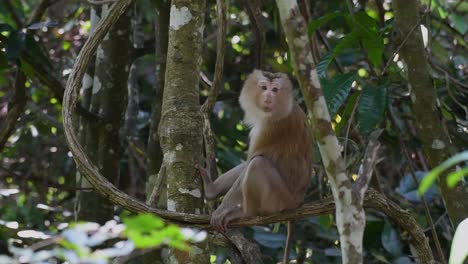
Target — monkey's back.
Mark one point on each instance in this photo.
(289, 145)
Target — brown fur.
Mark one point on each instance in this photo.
(291, 135)
(278, 170)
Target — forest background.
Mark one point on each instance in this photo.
(395, 67)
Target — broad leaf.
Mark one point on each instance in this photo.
(390, 240)
(322, 66)
(408, 188)
(429, 179)
(366, 28)
(314, 25)
(336, 90)
(371, 107)
(348, 41)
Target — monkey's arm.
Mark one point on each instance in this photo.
(224, 182)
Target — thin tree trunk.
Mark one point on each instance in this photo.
(350, 215)
(435, 139)
(154, 147)
(109, 100)
(181, 124)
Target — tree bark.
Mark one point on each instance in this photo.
(181, 124)
(433, 134)
(109, 100)
(350, 215)
(155, 156)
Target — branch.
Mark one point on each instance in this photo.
(370, 158)
(221, 48)
(255, 17)
(15, 107)
(101, 2)
(207, 107)
(11, 9)
(39, 11)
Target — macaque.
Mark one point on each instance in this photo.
(279, 168)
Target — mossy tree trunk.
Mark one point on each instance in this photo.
(435, 139)
(181, 126)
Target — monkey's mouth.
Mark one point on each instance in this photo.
(267, 109)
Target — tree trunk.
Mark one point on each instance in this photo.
(350, 216)
(154, 147)
(435, 139)
(180, 127)
(109, 102)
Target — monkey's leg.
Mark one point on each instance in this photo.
(230, 208)
(224, 182)
(264, 190)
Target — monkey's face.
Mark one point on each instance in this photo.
(266, 96)
(273, 96)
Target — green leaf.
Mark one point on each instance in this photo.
(454, 177)
(322, 66)
(314, 25)
(459, 23)
(348, 41)
(390, 240)
(429, 179)
(366, 28)
(147, 230)
(371, 107)
(346, 114)
(143, 222)
(336, 90)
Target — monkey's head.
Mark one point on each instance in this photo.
(266, 96)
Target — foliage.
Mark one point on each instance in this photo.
(453, 177)
(86, 242)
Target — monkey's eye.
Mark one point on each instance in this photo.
(275, 89)
(263, 87)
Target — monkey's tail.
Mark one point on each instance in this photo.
(287, 245)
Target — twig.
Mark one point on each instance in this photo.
(426, 207)
(15, 106)
(38, 111)
(454, 98)
(255, 17)
(39, 11)
(100, 2)
(12, 10)
(207, 107)
(452, 79)
(370, 158)
(350, 121)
